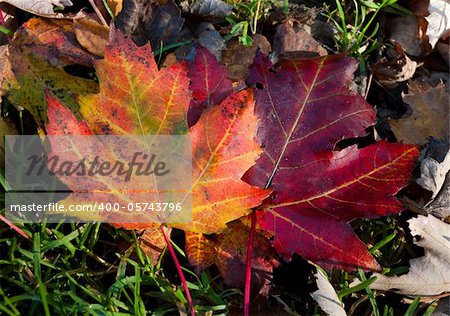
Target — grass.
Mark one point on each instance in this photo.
(356, 26)
(67, 270)
(388, 243)
(94, 269)
(246, 15)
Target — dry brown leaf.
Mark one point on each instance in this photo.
(238, 58)
(433, 174)
(435, 177)
(209, 9)
(395, 68)
(419, 7)
(40, 7)
(91, 34)
(440, 206)
(148, 21)
(418, 34)
(291, 38)
(429, 114)
(430, 274)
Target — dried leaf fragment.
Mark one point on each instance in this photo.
(396, 68)
(326, 296)
(433, 174)
(435, 177)
(429, 115)
(115, 6)
(409, 32)
(150, 21)
(238, 58)
(40, 7)
(294, 41)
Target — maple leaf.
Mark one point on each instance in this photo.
(38, 54)
(136, 98)
(91, 34)
(305, 108)
(209, 83)
(228, 251)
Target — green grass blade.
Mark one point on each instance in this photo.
(413, 306)
(37, 272)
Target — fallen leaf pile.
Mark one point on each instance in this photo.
(283, 139)
(301, 111)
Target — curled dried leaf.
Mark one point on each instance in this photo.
(395, 68)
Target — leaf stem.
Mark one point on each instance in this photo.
(10, 224)
(179, 270)
(99, 14)
(248, 267)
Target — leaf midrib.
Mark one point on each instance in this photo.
(344, 185)
(294, 126)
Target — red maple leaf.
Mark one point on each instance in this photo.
(305, 107)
